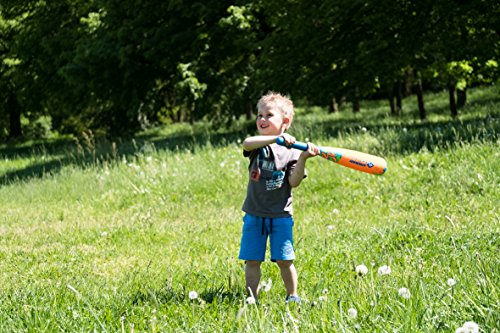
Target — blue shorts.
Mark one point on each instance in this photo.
(256, 230)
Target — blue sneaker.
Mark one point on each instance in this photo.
(293, 299)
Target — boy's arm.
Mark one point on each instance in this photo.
(297, 175)
(260, 141)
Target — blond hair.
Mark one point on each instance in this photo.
(279, 102)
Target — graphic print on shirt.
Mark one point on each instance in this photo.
(264, 166)
(276, 181)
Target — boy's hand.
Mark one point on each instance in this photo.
(289, 140)
(312, 150)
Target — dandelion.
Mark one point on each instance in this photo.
(323, 298)
(384, 270)
(451, 282)
(335, 211)
(222, 164)
(352, 312)
(330, 227)
(363, 129)
(325, 291)
(104, 234)
(266, 286)
(251, 300)
(193, 295)
(404, 293)
(361, 270)
(471, 327)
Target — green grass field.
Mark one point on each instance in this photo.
(113, 239)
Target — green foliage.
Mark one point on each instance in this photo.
(115, 236)
(113, 66)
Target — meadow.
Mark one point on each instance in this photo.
(116, 237)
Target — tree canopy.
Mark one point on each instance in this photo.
(116, 66)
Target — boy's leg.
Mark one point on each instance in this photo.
(252, 250)
(289, 276)
(252, 276)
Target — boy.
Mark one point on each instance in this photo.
(274, 171)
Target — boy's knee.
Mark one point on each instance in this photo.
(284, 263)
(253, 263)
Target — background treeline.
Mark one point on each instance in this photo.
(115, 67)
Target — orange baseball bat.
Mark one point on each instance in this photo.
(349, 158)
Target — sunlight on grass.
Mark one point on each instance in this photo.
(93, 241)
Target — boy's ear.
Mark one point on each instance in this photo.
(286, 121)
(285, 124)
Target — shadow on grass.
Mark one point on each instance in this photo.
(399, 137)
(168, 295)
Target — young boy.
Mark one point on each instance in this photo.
(273, 171)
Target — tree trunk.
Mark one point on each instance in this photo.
(420, 99)
(392, 106)
(333, 107)
(249, 110)
(453, 104)
(461, 97)
(399, 97)
(355, 103)
(406, 84)
(395, 92)
(14, 110)
(390, 93)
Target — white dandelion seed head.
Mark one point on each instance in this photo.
(451, 282)
(361, 270)
(330, 227)
(363, 129)
(104, 234)
(471, 327)
(404, 293)
(352, 312)
(251, 300)
(325, 291)
(460, 330)
(266, 285)
(384, 270)
(323, 298)
(193, 295)
(222, 164)
(335, 211)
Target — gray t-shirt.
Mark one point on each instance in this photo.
(269, 193)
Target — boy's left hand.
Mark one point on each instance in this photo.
(312, 150)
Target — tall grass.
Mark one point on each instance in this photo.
(96, 238)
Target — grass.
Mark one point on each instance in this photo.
(96, 238)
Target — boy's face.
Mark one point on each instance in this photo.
(270, 121)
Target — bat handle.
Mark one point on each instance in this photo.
(297, 145)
